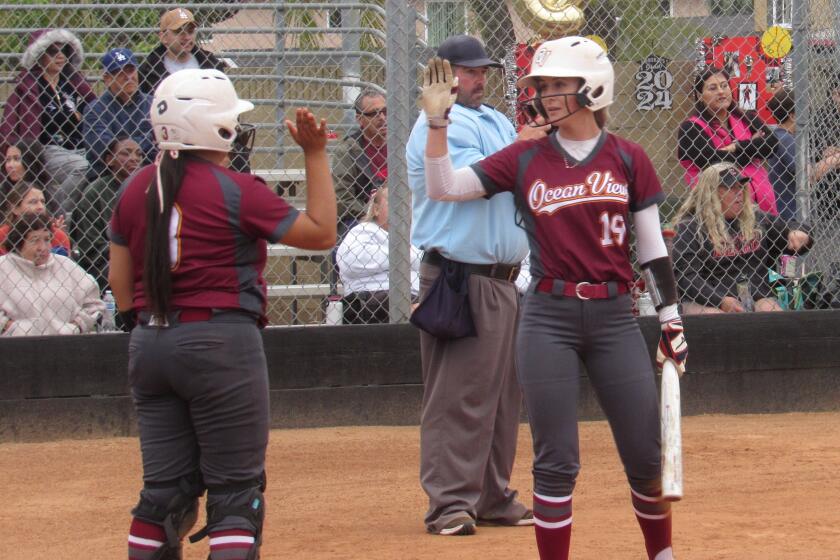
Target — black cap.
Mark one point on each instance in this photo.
(464, 50)
(731, 177)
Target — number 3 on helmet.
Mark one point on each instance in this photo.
(197, 110)
(572, 57)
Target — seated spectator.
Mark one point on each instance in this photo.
(23, 160)
(177, 51)
(47, 103)
(360, 162)
(782, 162)
(363, 263)
(42, 293)
(825, 152)
(25, 198)
(122, 110)
(721, 239)
(93, 213)
(718, 131)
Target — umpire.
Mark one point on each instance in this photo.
(471, 399)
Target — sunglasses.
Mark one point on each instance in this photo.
(375, 113)
(56, 48)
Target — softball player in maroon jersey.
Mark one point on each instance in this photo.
(188, 248)
(575, 191)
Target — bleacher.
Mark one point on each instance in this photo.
(299, 280)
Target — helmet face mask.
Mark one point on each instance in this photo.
(537, 115)
(197, 110)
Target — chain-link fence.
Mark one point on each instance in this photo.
(356, 64)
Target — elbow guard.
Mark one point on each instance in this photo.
(659, 280)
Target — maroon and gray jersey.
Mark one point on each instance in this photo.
(575, 212)
(217, 235)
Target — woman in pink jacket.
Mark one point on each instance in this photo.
(718, 131)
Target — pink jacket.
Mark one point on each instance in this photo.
(762, 189)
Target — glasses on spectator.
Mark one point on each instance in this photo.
(188, 29)
(375, 113)
(56, 48)
(731, 178)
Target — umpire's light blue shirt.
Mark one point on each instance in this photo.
(482, 231)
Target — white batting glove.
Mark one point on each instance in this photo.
(439, 90)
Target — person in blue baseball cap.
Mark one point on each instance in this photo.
(123, 110)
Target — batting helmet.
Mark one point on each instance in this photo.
(575, 57)
(197, 110)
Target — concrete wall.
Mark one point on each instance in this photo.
(76, 387)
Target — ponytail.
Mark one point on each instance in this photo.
(157, 263)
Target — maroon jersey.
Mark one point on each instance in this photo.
(575, 212)
(217, 235)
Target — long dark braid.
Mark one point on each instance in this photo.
(157, 264)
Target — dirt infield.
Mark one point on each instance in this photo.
(757, 487)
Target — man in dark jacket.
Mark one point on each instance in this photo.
(177, 51)
(360, 162)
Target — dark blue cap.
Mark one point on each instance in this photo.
(116, 59)
(464, 50)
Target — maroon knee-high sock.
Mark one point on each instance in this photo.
(144, 539)
(553, 526)
(654, 517)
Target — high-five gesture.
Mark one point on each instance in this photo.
(439, 91)
(309, 135)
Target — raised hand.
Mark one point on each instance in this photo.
(306, 132)
(439, 89)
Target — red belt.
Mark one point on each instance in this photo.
(194, 314)
(582, 290)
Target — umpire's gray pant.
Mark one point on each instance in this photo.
(471, 403)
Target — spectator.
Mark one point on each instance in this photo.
(363, 264)
(90, 225)
(718, 131)
(122, 109)
(721, 237)
(23, 160)
(27, 198)
(825, 151)
(782, 162)
(177, 51)
(46, 104)
(42, 293)
(361, 159)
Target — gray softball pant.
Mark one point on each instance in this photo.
(201, 395)
(556, 335)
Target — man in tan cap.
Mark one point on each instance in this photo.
(177, 50)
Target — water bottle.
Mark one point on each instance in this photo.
(745, 294)
(645, 305)
(335, 311)
(108, 323)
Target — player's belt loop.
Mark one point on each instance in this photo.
(612, 289)
(580, 286)
(558, 287)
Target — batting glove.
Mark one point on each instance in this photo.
(439, 90)
(672, 345)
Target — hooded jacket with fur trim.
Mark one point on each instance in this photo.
(23, 112)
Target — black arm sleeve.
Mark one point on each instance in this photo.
(761, 145)
(695, 145)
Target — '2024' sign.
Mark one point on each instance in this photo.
(653, 84)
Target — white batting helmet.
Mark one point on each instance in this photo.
(575, 57)
(196, 110)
